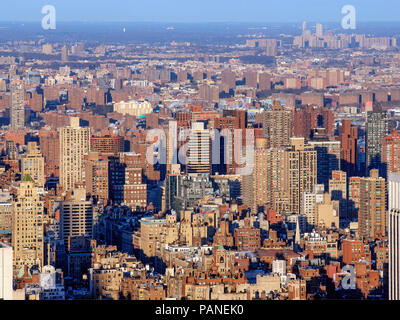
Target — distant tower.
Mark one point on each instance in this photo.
(319, 30)
(17, 112)
(304, 27)
(64, 54)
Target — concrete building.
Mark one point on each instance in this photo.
(74, 144)
(394, 239)
(6, 272)
(277, 126)
(17, 110)
(376, 128)
(199, 153)
(32, 163)
(372, 211)
(76, 215)
(27, 235)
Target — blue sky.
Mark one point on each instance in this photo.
(200, 10)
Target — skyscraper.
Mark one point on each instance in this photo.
(17, 112)
(391, 153)
(74, 144)
(372, 211)
(199, 160)
(254, 186)
(348, 136)
(280, 176)
(394, 238)
(376, 128)
(338, 191)
(319, 30)
(328, 159)
(301, 171)
(33, 164)
(277, 126)
(27, 235)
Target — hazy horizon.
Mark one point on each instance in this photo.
(205, 11)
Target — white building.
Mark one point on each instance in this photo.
(199, 149)
(394, 236)
(6, 272)
(133, 108)
(279, 267)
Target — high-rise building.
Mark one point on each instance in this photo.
(27, 235)
(394, 236)
(328, 159)
(376, 128)
(6, 272)
(228, 78)
(107, 144)
(353, 198)
(338, 190)
(310, 118)
(391, 153)
(264, 81)
(255, 185)
(319, 32)
(64, 53)
(309, 205)
(280, 176)
(74, 144)
(372, 210)
(152, 235)
(348, 137)
(32, 163)
(96, 176)
(277, 126)
(17, 110)
(76, 215)
(5, 211)
(199, 155)
(301, 171)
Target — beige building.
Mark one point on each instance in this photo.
(152, 235)
(372, 222)
(255, 186)
(300, 170)
(277, 126)
(327, 213)
(280, 176)
(32, 163)
(27, 235)
(338, 190)
(74, 144)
